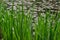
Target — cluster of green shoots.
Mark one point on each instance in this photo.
(15, 25)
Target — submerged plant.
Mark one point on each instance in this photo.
(16, 25)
